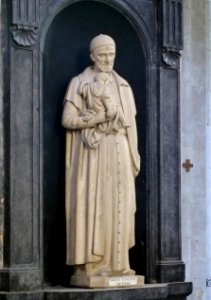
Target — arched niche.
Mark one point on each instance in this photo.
(66, 53)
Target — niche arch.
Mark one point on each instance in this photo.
(65, 47)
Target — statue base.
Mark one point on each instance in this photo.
(107, 281)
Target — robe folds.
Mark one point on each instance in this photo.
(100, 191)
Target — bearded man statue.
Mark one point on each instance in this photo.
(102, 162)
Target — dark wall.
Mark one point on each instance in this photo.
(66, 54)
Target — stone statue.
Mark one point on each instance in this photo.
(102, 162)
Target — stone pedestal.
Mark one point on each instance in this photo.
(107, 281)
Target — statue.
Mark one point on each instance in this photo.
(102, 162)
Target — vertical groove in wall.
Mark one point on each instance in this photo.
(26, 12)
(36, 10)
(172, 24)
(179, 23)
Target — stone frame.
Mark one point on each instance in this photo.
(25, 24)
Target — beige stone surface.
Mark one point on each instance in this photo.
(193, 147)
(102, 162)
(107, 281)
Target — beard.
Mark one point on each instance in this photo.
(106, 68)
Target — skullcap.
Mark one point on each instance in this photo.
(101, 40)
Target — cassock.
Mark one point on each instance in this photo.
(101, 166)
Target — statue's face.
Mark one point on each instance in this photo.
(103, 58)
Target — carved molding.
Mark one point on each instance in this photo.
(25, 11)
(172, 24)
(24, 35)
(25, 22)
(171, 57)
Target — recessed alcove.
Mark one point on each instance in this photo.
(45, 43)
(66, 54)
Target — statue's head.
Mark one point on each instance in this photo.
(102, 52)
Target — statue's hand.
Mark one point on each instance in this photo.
(111, 112)
(91, 118)
(99, 118)
(88, 115)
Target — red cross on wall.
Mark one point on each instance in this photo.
(187, 165)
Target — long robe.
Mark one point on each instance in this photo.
(100, 191)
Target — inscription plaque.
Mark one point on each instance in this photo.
(122, 281)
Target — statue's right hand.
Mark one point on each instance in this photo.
(88, 115)
(92, 118)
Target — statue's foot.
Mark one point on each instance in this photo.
(83, 270)
(129, 272)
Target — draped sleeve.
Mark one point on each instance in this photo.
(73, 107)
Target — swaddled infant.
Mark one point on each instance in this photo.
(100, 90)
